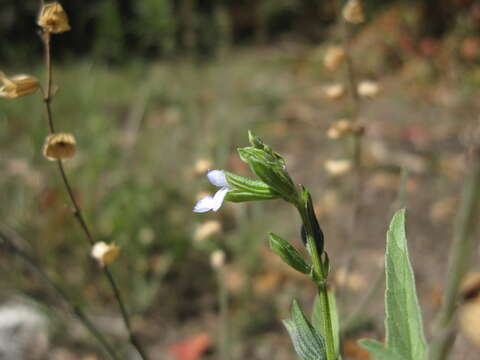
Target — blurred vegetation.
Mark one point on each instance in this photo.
(117, 30)
(141, 126)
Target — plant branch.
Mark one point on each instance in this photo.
(47, 98)
(10, 246)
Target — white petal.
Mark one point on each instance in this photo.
(218, 198)
(217, 178)
(204, 204)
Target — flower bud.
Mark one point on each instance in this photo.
(18, 85)
(368, 88)
(334, 57)
(270, 168)
(353, 12)
(53, 19)
(105, 253)
(59, 146)
(334, 92)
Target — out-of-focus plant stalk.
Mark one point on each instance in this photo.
(224, 321)
(462, 249)
(47, 99)
(10, 246)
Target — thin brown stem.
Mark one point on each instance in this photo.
(9, 245)
(357, 148)
(47, 98)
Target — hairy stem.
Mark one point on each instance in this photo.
(320, 276)
(10, 246)
(47, 99)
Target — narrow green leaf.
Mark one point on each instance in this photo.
(378, 350)
(403, 320)
(308, 343)
(288, 253)
(318, 319)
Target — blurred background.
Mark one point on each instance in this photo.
(158, 91)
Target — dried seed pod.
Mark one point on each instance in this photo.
(469, 312)
(202, 166)
(368, 88)
(17, 86)
(353, 12)
(340, 129)
(59, 146)
(207, 229)
(334, 92)
(105, 253)
(338, 167)
(334, 57)
(217, 259)
(53, 19)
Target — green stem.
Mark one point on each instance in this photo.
(320, 278)
(463, 248)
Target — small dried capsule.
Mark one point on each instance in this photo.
(53, 19)
(105, 253)
(17, 86)
(59, 146)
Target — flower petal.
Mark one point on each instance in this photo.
(217, 178)
(204, 204)
(218, 198)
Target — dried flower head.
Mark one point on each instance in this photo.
(217, 259)
(207, 229)
(338, 167)
(334, 57)
(105, 253)
(340, 129)
(334, 92)
(368, 88)
(202, 166)
(353, 12)
(53, 19)
(469, 311)
(18, 85)
(59, 146)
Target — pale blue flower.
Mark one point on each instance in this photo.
(207, 203)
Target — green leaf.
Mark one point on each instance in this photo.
(245, 184)
(318, 319)
(378, 350)
(288, 253)
(403, 321)
(308, 343)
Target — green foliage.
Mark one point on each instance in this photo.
(155, 24)
(405, 337)
(308, 343)
(318, 320)
(288, 253)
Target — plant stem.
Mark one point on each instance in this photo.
(320, 278)
(224, 323)
(75, 309)
(47, 99)
(462, 249)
